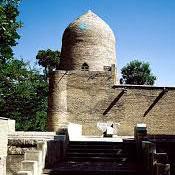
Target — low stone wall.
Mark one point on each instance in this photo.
(19, 143)
(23, 136)
(16, 150)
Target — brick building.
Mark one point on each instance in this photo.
(84, 90)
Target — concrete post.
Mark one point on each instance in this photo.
(54, 153)
(148, 150)
(140, 132)
(3, 144)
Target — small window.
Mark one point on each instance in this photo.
(107, 68)
(84, 67)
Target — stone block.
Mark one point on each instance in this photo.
(74, 131)
(11, 126)
(42, 146)
(161, 158)
(2, 165)
(162, 169)
(140, 131)
(35, 155)
(30, 166)
(24, 173)
(54, 154)
(3, 136)
(148, 149)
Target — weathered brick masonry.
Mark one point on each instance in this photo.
(91, 97)
(88, 40)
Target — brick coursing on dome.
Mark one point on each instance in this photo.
(88, 40)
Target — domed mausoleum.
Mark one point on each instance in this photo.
(83, 90)
(88, 43)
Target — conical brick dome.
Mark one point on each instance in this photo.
(87, 41)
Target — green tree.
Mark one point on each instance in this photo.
(48, 59)
(8, 28)
(137, 73)
(23, 90)
(23, 96)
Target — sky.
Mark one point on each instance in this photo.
(144, 30)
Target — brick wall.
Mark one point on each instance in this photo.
(91, 98)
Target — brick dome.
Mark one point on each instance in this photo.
(87, 41)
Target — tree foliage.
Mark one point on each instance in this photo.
(23, 90)
(137, 73)
(23, 96)
(8, 28)
(48, 59)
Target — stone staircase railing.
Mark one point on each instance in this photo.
(34, 160)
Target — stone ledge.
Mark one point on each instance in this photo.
(28, 133)
(24, 173)
(131, 86)
(21, 137)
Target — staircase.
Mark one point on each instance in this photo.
(95, 157)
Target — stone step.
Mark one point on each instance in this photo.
(92, 154)
(100, 149)
(101, 145)
(24, 173)
(120, 144)
(30, 166)
(118, 150)
(96, 142)
(96, 159)
(92, 173)
(34, 155)
(91, 168)
(85, 143)
(94, 147)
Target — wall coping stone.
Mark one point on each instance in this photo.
(129, 86)
(3, 118)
